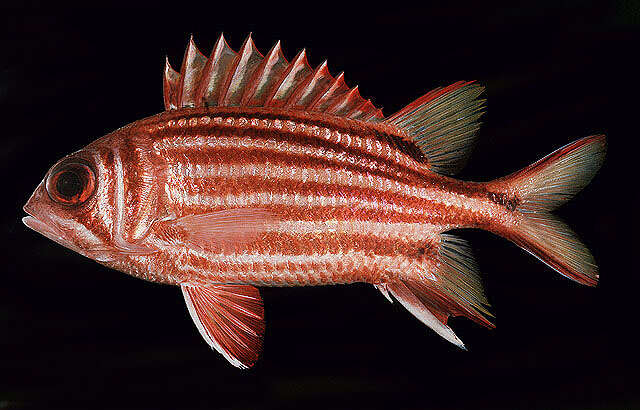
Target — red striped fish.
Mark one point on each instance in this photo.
(264, 172)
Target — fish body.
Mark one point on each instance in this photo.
(268, 173)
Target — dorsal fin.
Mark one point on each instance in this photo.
(295, 73)
(335, 89)
(171, 83)
(247, 78)
(192, 66)
(215, 73)
(269, 71)
(443, 124)
(245, 63)
(311, 87)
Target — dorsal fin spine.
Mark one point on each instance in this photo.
(361, 110)
(247, 59)
(247, 78)
(290, 78)
(214, 73)
(171, 82)
(308, 89)
(374, 116)
(190, 72)
(345, 103)
(265, 74)
(337, 83)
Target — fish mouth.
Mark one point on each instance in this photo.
(48, 230)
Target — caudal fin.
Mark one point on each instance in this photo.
(540, 188)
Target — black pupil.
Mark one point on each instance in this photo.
(69, 184)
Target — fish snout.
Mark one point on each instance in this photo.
(37, 214)
(35, 202)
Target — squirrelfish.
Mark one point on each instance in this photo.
(264, 172)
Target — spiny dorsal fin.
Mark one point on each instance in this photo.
(335, 89)
(190, 72)
(247, 60)
(443, 124)
(309, 90)
(215, 73)
(247, 78)
(171, 84)
(269, 71)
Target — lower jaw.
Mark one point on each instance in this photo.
(43, 229)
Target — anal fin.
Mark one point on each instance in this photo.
(230, 318)
(435, 319)
(445, 283)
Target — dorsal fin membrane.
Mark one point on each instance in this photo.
(336, 89)
(171, 84)
(190, 73)
(367, 112)
(311, 87)
(345, 103)
(269, 71)
(245, 63)
(248, 79)
(297, 71)
(443, 124)
(215, 73)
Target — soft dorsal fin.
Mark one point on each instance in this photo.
(443, 124)
(230, 318)
(248, 79)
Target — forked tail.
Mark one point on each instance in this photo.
(542, 187)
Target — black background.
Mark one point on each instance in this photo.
(75, 334)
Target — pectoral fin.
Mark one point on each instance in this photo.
(219, 229)
(230, 318)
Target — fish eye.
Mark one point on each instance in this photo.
(71, 183)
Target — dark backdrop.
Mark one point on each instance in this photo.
(75, 334)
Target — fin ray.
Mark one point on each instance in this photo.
(265, 76)
(540, 188)
(192, 66)
(443, 124)
(243, 67)
(171, 84)
(234, 333)
(215, 73)
(413, 304)
(445, 284)
(247, 78)
(295, 74)
(223, 229)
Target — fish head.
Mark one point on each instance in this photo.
(66, 206)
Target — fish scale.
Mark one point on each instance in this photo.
(264, 172)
